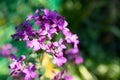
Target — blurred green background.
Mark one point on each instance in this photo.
(96, 22)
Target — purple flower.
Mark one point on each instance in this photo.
(29, 17)
(59, 60)
(47, 31)
(56, 47)
(73, 54)
(29, 72)
(71, 38)
(59, 45)
(7, 49)
(78, 59)
(37, 44)
(16, 65)
(63, 75)
(21, 70)
(61, 23)
(56, 18)
(50, 48)
(36, 14)
(23, 31)
(51, 14)
(50, 24)
(33, 44)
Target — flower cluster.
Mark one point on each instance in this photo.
(44, 39)
(7, 49)
(73, 54)
(49, 23)
(20, 69)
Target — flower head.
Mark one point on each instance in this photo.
(16, 66)
(29, 72)
(23, 31)
(7, 49)
(59, 60)
(73, 54)
(50, 23)
(59, 45)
